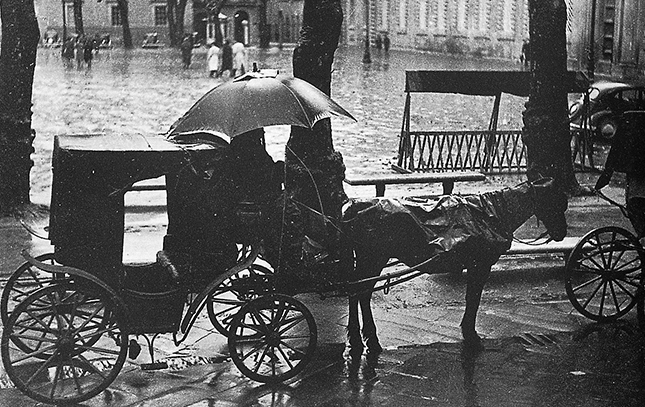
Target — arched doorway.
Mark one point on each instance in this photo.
(241, 27)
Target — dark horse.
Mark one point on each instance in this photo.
(465, 232)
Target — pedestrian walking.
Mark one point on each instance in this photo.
(212, 60)
(186, 51)
(67, 52)
(227, 58)
(88, 52)
(79, 51)
(239, 59)
(525, 55)
(386, 42)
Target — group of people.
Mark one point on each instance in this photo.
(81, 50)
(229, 58)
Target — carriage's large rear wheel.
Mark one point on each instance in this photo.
(604, 273)
(25, 280)
(233, 293)
(76, 343)
(272, 338)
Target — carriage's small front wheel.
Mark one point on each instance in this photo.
(76, 343)
(604, 273)
(272, 338)
(233, 293)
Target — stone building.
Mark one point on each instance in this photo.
(103, 17)
(488, 28)
(610, 38)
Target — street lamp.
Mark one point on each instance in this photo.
(64, 21)
(367, 58)
(591, 62)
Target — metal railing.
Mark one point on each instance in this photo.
(487, 151)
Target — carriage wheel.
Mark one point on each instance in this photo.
(24, 281)
(234, 292)
(272, 338)
(77, 345)
(604, 273)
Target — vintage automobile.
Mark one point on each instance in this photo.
(606, 102)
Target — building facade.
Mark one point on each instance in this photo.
(610, 39)
(488, 28)
(103, 17)
(285, 19)
(237, 20)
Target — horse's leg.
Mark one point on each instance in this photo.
(369, 326)
(477, 275)
(354, 344)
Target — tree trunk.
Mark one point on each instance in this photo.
(78, 17)
(546, 121)
(265, 35)
(20, 37)
(172, 24)
(125, 22)
(176, 13)
(314, 170)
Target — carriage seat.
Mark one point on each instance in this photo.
(163, 275)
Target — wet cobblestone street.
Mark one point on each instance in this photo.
(538, 350)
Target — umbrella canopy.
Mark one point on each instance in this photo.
(257, 100)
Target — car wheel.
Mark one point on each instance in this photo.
(606, 128)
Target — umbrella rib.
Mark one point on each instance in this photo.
(310, 125)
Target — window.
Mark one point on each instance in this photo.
(385, 9)
(403, 15)
(161, 15)
(116, 15)
(423, 15)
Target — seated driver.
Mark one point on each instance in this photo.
(626, 154)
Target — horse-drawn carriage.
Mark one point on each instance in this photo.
(70, 316)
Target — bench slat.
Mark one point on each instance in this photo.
(416, 178)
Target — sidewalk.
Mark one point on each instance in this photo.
(538, 350)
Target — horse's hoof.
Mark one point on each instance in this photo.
(352, 353)
(473, 343)
(373, 352)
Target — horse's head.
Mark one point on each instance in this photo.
(550, 205)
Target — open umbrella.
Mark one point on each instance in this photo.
(255, 100)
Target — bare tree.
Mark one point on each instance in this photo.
(20, 37)
(314, 170)
(176, 13)
(265, 35)
(125, 23)
(546, 125)
(78, 17)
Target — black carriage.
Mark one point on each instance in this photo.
(68, 316)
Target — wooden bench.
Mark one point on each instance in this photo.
(448, 179)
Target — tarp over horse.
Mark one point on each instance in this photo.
(419, 229)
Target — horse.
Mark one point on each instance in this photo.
(470, 232)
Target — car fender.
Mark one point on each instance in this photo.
(598, 116)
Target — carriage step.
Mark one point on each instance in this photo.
(565, 246)
(154, 366)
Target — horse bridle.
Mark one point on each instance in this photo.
(534, 242)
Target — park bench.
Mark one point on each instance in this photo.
(448, 179)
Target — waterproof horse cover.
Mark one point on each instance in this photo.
(415, 231)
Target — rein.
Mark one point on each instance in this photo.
(620, 206)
